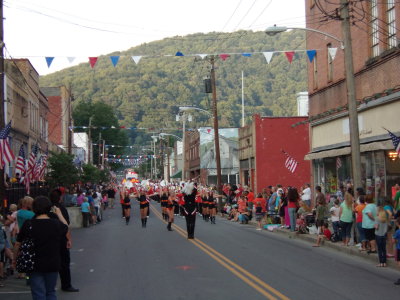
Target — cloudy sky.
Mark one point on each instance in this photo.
(35, 29)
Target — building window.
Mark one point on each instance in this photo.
(374, 31)
(315, 73)
(391, 24)
(330, 63)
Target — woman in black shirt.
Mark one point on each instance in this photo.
(46, 234)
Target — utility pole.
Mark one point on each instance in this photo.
(90, 140)
(216, 131)
(2, 79)
(184, 146)
(99, 149)
(70, 132)
(351, 95)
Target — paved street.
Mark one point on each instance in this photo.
(225, 261)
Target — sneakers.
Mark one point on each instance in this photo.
(397, 282)
(258, 229)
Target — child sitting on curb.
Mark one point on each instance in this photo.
(324, 235)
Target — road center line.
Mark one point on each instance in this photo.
(257, 283)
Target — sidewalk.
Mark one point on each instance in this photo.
(311, 238)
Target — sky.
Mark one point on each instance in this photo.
(35, 29)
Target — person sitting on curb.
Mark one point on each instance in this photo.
(324, 235)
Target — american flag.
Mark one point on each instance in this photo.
(20, 165)
(396, 142)
(32, 162)
(43, 166)
(36, 169)
(290, 163)
(338, 163)
(6, 154)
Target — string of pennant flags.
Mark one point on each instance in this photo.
(114, 59)
(128, 128)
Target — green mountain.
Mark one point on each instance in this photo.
(148, 94)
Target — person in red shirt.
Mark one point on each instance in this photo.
(260, 206)
(250, 202)
(326, 235)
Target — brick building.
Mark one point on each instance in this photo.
(59, 99)
(26, 107)
(377, 86)
(262, 148)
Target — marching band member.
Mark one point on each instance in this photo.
(189, 208)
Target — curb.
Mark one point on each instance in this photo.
(350, 250)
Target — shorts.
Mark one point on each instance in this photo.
(259, 216)
(346, 229)
(126, 206)
(3, 256)
(320, 223)
(369, 234)
(142, 206)
(211, 206)
(398, 254)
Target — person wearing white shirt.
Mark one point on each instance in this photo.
(306, 195)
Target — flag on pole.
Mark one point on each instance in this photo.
(32, 162)
(6, 154)
(37, 168)
(290, 163)
(20, 165)
(43, 167)
(338, 163)
(395, 141)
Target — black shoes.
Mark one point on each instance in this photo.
(397, 282)
(71, 290)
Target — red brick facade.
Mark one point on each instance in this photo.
(373, 75)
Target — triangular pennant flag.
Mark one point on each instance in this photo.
(268, 56)
(202, 55)
(92, 61)
(208, 130)
(49, 60)
(246, 54)
(224, 56)
(179, 54)
(332, 52)
(114, 60)
(136, 59)
(311, 54)
(71, 59)
(289, 56)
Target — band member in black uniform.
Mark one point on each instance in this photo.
(127, 207)
(189, 208)
(164, 201)
(144, 207)
(170, 209)
(212, 207)
(204, 205)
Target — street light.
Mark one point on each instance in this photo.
(351, 91)
(162, 134)
(274, 30)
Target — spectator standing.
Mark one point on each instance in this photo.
(321, 214)
(346, 216)
(47, 234)
(319, 196)
(388, 207)
(25, 213)
(85, 210)
(335, 218)
(360, 205)
(293, 198)
(368, 222)
(396, 199)
(260, 209)
(111, 196)
(306, 195)
(66, 243)
(381, 226)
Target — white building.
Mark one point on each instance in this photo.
(81, 149)
(302, 104)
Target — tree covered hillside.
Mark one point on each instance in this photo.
(147, 94)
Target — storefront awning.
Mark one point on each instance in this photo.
(177, 174)
(381, 145)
